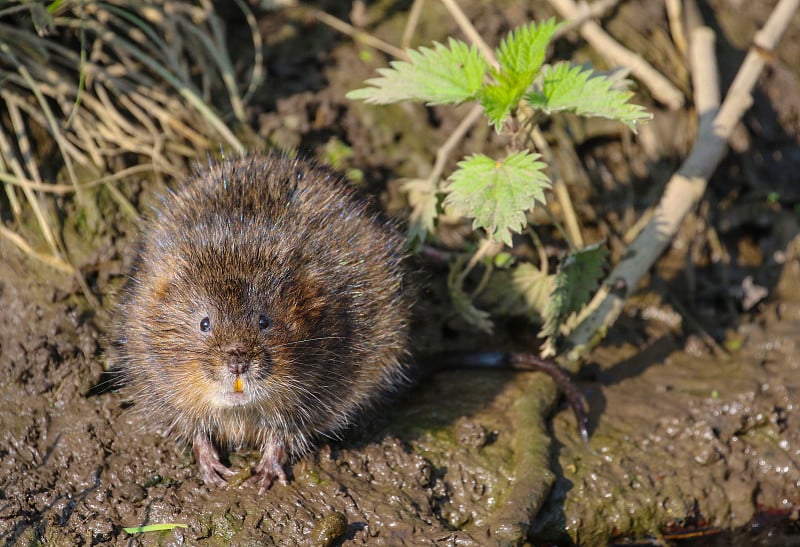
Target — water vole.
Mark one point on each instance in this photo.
(266, 305)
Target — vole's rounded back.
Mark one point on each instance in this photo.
(266, 305)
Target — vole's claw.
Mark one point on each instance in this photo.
(265, 479)
(269, 468)
(212, 471)
(583, 427)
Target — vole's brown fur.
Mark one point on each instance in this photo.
(265, 307)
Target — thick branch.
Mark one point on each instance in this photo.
(688, 184)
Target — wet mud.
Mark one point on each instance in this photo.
(693, 395)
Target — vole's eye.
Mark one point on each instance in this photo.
(205, 324)
(263, 322)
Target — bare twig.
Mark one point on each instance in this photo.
(688, 184)
(674, 16)
(469, 30)
(572, 225)
(257, 74)
(660, 87)
(411, 24)
(359, 35)
(64, 189)
(595, 10)
(444, 151)
(23, 246)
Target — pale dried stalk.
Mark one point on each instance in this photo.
(444, 151)
(411, 24)
(469, 30)
(571, 223)
(687, 185)
(33, 112)
(16, 167)
(66, 189)
(122, 106)
(22, 245)
(359, 35)
(674, 16)
(595, 10)
(257, 75)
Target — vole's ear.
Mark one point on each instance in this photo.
(305, 303)
(162, 287)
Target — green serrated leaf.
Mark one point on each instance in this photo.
(522, 52)
(523, 290)
(496, 194)
(423, 199)
(575, 281)
(498, 101)
(564, 87)
(534, 287)
(442, 75)
(520, 57)
(478, 319)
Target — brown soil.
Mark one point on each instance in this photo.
(693, 394)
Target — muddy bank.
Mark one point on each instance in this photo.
(78, 466)
(463, 458)
(683, 432)
(679, 428)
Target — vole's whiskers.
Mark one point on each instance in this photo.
(244, 245)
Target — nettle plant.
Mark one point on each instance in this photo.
(498, 193)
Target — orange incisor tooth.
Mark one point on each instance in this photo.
(238, 385)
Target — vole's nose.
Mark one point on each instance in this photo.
(238, 367)
(237, 358)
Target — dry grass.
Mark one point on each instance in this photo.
(123, 87)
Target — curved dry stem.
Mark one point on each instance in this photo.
(359, 35)
(257, 73)
(112, 96)
(411, 24)
(572, 226)
(470, 31)
(22, 245)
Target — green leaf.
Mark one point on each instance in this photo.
(522, 52)
(523, 290)
(503, 260)
(576, 89)
(520, 57)
(423, 199)
(498, 193)
(442, 75)
(498, 101)
(575, 281)
(153, 528)
(478, 319)
(534, 286)
(462, 302)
